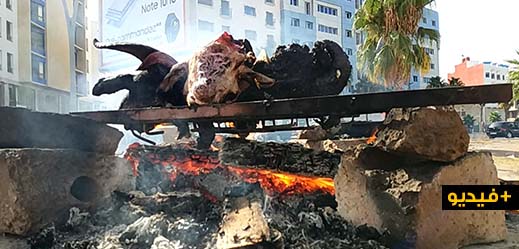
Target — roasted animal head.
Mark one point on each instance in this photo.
(217, 72)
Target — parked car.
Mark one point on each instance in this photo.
(503, 129)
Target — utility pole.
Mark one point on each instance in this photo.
(71, 31)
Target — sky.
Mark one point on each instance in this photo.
(484, 30)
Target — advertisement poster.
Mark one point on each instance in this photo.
(156, 23)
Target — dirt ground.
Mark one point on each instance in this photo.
(481, 142)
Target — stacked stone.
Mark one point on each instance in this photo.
(50, 163)
(395, 184)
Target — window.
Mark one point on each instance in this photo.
(348, 14)
(225, 10)
(433, 66)
(487, 75)
(348, 33)
(9, 30)
(424, 20)
(226, 29)
(8, 4)
(269, 1)
(433, 22)
(269, 19)
(327, 29)
(10, 63)
(248, 10)
(294, 2)
(295, 22)
(206, 2)
(308, 8)
(13, 95)
(426, 80)
(358, 4)
(205, 26)
(493, 76)
(39, 65)
(309, 25)
(415, 78)
(499, 77)
(251, 35)
(349, 51)
(37, 39)
(327, 10)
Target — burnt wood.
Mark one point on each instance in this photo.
(312, 107)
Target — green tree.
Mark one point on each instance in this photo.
(394, 41)
(513, 76)
(469, 120)
(436, 82)
(455, 82)
(494, 117)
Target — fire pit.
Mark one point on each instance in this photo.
(187, 198)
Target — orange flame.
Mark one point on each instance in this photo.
(230, 124)
(373, 138)
(271, 181)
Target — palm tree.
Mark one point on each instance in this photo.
(436, 82)
(494, 117)
(513, 76)
(394, 41)
(455, 82)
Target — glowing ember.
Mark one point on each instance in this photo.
(373, 138)
(272, 182)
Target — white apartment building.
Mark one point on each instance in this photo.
(8, 48)
(256, 20)
(329, 21)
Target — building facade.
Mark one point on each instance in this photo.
(430, 20)
(8, 49)
(38, 56)
(474, 73)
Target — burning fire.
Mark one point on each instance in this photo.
(271, 181)
(373, 138)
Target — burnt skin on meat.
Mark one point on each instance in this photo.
(301, 72)
(142, 84)
(217, 71)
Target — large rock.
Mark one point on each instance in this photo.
(21, 128)
(39, 186)
(432, 134)
(392, 194)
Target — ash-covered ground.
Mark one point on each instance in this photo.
(189, 220)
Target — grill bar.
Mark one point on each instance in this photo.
(313, 107)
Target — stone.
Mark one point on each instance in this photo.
(22, 128)
(314, 134)
(39, 186)
(432, 134)
(404, 199)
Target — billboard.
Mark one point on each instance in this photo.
(156, 23)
